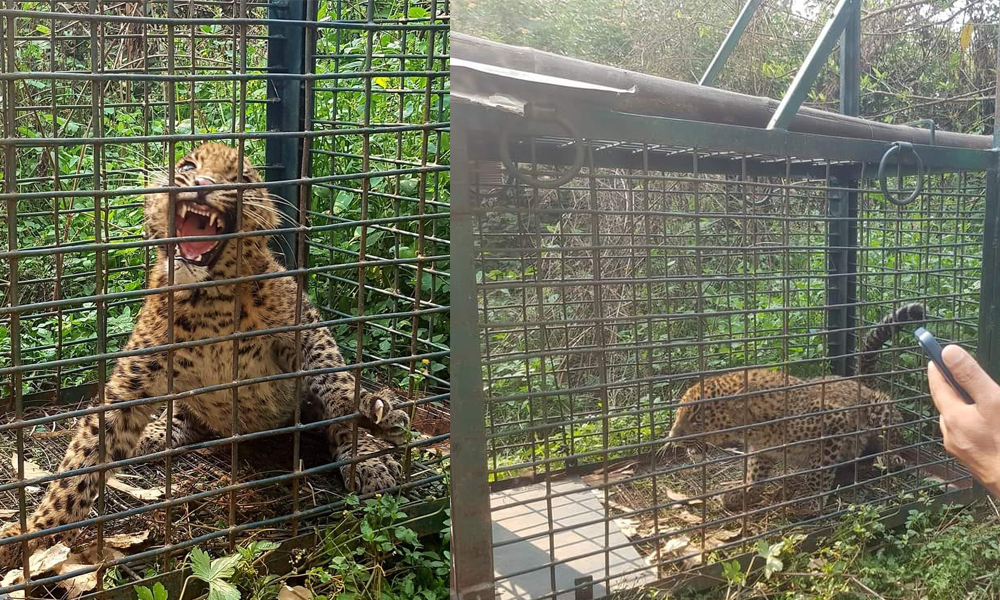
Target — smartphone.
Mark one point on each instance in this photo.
(933, 350)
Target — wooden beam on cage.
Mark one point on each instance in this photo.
(529, 70)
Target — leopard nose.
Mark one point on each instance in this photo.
(202, 180)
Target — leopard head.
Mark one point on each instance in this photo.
(699, 419)
(202, 212)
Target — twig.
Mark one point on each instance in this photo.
(890, 9)
(864, 587)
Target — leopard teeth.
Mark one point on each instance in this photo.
(211, 220)
(182, 209)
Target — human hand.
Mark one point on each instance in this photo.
(971, 431)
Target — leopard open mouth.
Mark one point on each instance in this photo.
(196, 219)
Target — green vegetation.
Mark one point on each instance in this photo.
(371, 553)
(944, 553)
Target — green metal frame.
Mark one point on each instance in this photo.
(285, 111)
(844, 24)
(729, 44)
(806, 76)
(472, 549)
(599, 124)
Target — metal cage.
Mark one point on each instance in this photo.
(344, 108)
(620, 259)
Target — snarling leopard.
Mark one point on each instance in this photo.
(814, 425)
(225, 309)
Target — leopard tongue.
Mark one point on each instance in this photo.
(193, 226)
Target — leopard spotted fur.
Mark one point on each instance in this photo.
(810, 424)
(210, 312)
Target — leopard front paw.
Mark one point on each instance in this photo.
(374, 474)
(738, 499)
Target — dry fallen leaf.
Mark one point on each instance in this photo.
(294, 593)
(31, 471)
(674, 545)
(82, 584)
(629, 527)
(685, 516)
(127, 541)
(681, 498)
(721, 538)
(41, 562)
(11, 578)
(137, 493)
(79, 585)
(49, 558)
(597, 478)
(6, 513)
(44, 435)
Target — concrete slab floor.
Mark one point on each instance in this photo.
(578, 506)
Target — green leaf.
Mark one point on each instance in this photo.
(159, 592)
(367, 534)
(382, 82)
(223, 568)
(201, 564)
(405, 534)
(408, 186)
(144, 593)
(223, 590)
(342, 203)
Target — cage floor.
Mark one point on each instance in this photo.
(629, 502)
(206, 469)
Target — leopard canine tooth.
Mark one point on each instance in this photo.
(182, 209)
(211, 220)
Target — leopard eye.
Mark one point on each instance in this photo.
(185, 166)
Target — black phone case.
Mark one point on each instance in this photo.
(933, 350)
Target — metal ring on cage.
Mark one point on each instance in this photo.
(537, 115)
(893, 149)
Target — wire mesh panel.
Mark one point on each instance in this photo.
(318, 216)
(675, 324)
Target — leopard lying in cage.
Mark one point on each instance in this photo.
(772, 399)
(208, 312)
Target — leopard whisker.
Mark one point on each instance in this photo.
(279, 200)
(281, 216)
